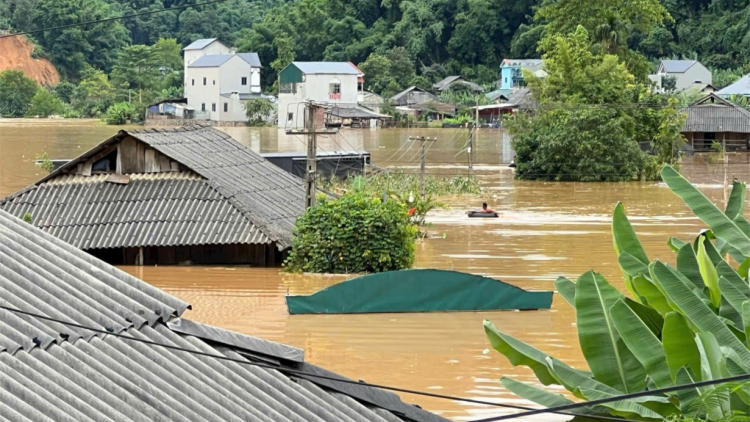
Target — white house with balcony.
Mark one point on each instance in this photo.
(219, 80)
(339, 85)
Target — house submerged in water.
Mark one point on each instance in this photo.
(54, 371)
(168, 196)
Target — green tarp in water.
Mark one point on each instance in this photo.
(418, 291)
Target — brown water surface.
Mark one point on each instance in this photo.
(546, 230)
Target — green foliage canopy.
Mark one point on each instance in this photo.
(354, 234)
(45, 104)
(16, 93)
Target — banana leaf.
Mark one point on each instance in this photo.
(733, 366)
(537, 395)
(721, 225)
(736, 202)
(625, 408)
(725, 270)
(643, 343)
(625, 239)
(572, 378)
(519, 353)
(687, 264)
(675, 244)
(687, 396)
(744, 268)
(711, 251)
(679, 346)
(609, 359)
(567, 290)
(652, 295)
(708, 273)
(734, 297)
(711, 358)
(746, 320)
(653, 320)
(631, 265)
(695, 311)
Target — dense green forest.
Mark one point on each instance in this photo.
(398, 43)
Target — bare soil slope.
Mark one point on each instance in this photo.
(15, 53)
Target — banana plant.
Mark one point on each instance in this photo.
(677, 324)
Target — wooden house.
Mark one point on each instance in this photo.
(168, 196)
(714, 119)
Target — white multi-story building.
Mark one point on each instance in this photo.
(685, 73)
(219, 80)
(337, 84)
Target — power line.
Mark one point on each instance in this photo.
(292, 371)
(150, 12)
(566, 407)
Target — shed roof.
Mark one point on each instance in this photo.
(200, 44)
(333, 68)
(715, 114)
(413, 89)
(235, 196)
(531, 64)
(741, 87)
(677, 66)
(56, 372)
(216, 60)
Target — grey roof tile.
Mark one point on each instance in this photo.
(714, 114)
(200, 44)
(677, 66)
(46, 377)
(333, 68)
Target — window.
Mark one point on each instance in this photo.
(213, 106)
(107, 164)
(288, 88)
(334, 88)
(244, 80)
(506, 80)
(226, 107)
(360, 86)
(214, 81)
(203, 106)
(193, 82)
(204, 81)
(290, 116)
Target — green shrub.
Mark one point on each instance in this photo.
(45, 104)
(354, 234)
(679, 324)
(16, 93)
(119, 114)
(257, 111)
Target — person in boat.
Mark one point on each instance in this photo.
(485, 209)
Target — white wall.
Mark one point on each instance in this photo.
(203, 94)
(696, 72)
(231, 74)
(315, 88)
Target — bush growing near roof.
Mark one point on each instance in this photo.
(354, 234)
(119, 114)
(680, 324)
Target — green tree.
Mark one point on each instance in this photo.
(377, 70)
(136, 74)
(354, 234)
(93, 96)
(257, 111)
(45, 104)
(16, 93)
(119, 113)
(72, 49)
(65, 91)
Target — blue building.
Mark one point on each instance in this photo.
(511, 72)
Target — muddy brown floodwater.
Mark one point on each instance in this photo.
(546, 230)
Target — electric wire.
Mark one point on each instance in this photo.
(114, 18)
(291, 371)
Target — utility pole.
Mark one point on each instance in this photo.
(469, 150)
(311, 172)
(423, 156)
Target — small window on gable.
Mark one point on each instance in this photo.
(106, 164)
(214, 81)
(244, 80)
(204, 81)
(193, 81)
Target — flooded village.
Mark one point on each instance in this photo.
(310, 211)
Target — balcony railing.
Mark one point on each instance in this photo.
(333, 96)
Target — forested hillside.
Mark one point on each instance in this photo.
(397, 42)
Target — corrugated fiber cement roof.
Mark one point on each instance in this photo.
(52, 372)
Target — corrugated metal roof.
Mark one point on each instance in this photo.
(334, 68)
(714, 114)
(251, 58)
(677, 66)
(741, 87)
(90, 213)
(200, 44)
(269, 198)
(52, 372)
(215, 60)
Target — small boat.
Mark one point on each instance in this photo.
(480, 214)
(418, 290)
